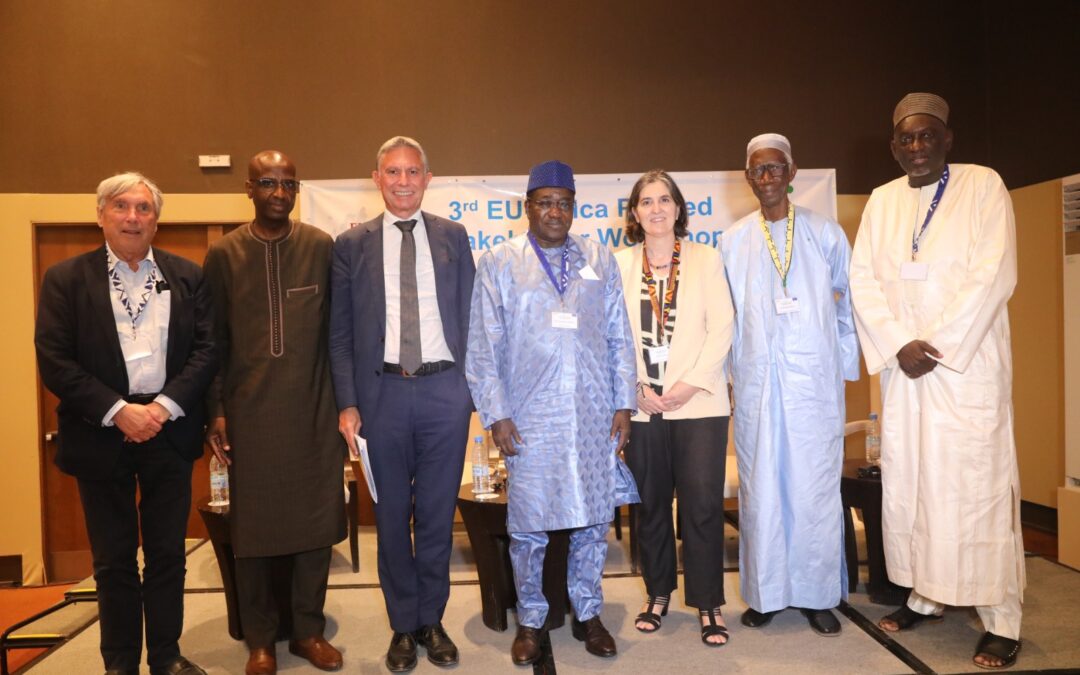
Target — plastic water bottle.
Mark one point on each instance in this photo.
(219, 482)
(481, 472)
(873, 442)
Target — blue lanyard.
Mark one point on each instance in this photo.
(564, 273)
(916, 238)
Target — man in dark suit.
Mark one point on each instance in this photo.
(124, 340)
(400, 291)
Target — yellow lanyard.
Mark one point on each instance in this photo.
(781, 270)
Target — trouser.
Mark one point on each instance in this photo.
(417, 437)
(258, 606)
(114, 523)
(1001, 619)
(584, 571)
(686, 457)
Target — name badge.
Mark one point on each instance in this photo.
(658, 354)
(786, 305)
(565, 320)
(136, 349)
(587, 272)
(914, 271)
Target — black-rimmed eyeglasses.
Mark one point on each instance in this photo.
(774, 170)
(271, 184)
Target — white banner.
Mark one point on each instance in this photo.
(492, 208)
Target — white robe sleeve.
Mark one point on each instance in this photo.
(991, 277)
(881, 333)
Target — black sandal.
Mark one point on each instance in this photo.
(649, 616)
(712, 628)
(1001, 647)
(906, 618)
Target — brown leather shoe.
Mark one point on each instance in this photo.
(261, 661)
(318, 652)
(597, 639)
(526, 647)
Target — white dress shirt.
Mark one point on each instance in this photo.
(433, 345)
(145, 342)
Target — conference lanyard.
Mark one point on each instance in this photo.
(148, 288)
(661, 310)
(782, 270)
(564, 272)
(917, 237)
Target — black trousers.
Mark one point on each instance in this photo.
(259, 608)
(685, 457)
(114, 522)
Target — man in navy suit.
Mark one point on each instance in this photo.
(124, 340)
(401, 286)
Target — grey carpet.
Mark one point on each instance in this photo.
(359, 628)
(358, 625)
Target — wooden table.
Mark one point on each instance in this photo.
(864, 494)
(485, 522)
(216, 519)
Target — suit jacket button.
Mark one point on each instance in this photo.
(378, 373)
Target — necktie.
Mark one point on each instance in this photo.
(409, 330)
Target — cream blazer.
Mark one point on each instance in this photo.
(703, 327)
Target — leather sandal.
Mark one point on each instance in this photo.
(906, 618)
(1001, 647)
(650, 616)
(712, 629)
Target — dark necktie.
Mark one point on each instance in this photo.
(409, 330)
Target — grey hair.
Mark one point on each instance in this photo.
(125, 182)
(401, 142)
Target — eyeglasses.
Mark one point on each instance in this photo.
(545, 205)
(774, 170)
(271, 184)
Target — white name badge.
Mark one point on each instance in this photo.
(587, 272)
(914, 271)
(137, 349)
(565, 320)
(786, 305)
(658, 354)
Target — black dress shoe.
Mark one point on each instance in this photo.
(822, 622)
(441, 650)
(402, 653)
(597, 639)
(526, 647)
(179, 666)
(752, 618)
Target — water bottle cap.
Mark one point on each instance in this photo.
(478, 439)
(873, 416)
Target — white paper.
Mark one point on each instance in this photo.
(658, 355)
(564, 320)
(365, 464)
(587, 272)
(136, 349)
(914, 271)
(787, 305)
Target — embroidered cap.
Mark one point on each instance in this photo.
(553, 174)
(921, 103)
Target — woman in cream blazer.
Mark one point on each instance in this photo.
(678, 438)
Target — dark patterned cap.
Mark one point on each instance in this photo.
(921, 104)
(553, 174)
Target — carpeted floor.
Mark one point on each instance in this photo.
(358, 626)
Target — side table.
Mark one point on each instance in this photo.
(864, 494)
(485, 523)
(216, 519)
